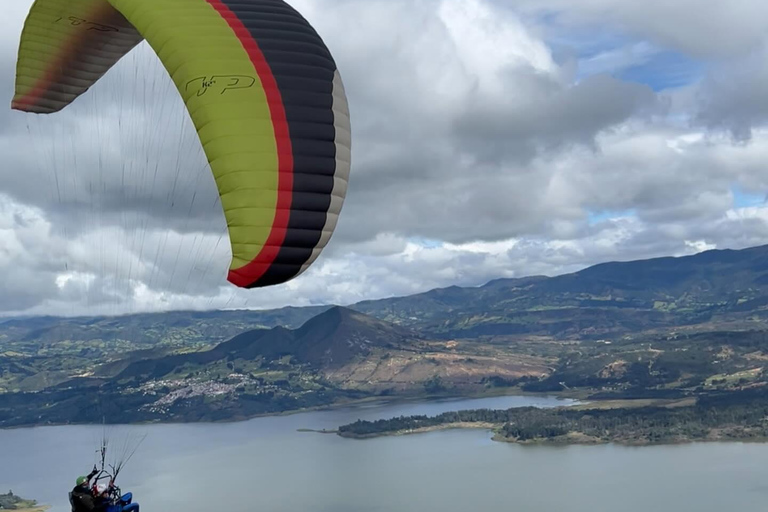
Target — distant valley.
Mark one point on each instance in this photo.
(667, 327)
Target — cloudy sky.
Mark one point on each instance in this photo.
(491, 138)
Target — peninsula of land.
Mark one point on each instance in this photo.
(739, 416)
(10, 501)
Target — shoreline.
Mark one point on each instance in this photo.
(616, 422)
(380, 400)
(423, 430)
(570, 439)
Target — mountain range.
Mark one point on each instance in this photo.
(606, 299)
(659, 326)
(609, 299)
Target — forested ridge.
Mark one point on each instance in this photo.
(736, 416)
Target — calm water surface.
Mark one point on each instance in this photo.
(265, 464)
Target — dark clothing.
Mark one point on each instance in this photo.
(82, 500)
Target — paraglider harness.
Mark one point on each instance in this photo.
(110, 498)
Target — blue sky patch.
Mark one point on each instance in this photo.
(665, 70)
(742, 199)
(596, 217)
(426, 242)
(628, 59)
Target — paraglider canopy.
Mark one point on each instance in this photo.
(261, 88)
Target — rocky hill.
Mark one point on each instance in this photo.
(330, 340)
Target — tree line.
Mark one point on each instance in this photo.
(737, 415)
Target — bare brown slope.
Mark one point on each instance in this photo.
(330, 340)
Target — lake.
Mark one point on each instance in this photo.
(265, 464)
